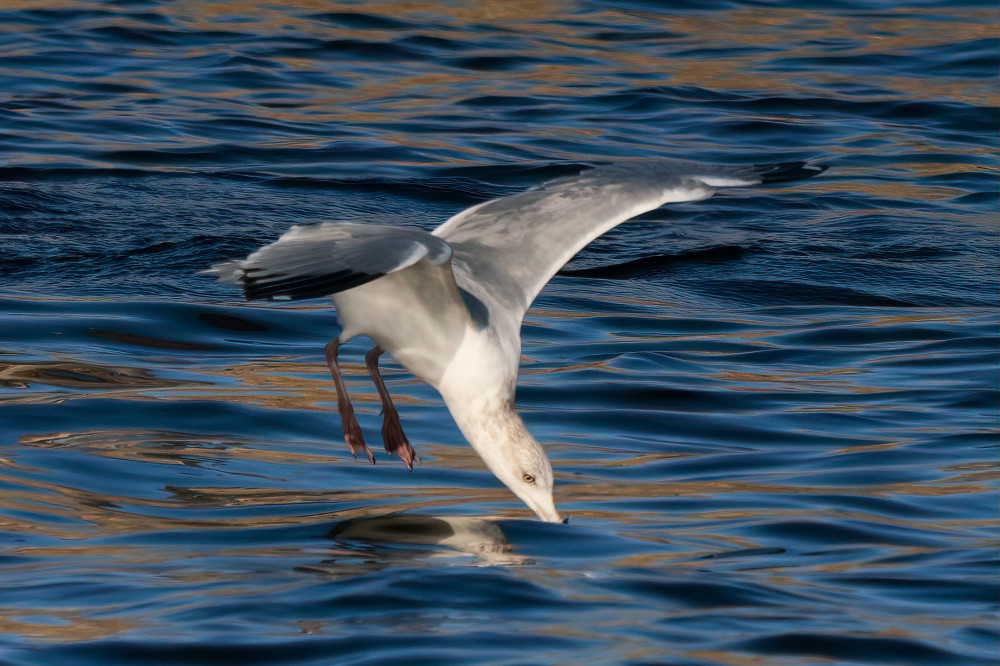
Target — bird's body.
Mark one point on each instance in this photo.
(448, 305)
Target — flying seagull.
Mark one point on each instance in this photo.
(448, 304)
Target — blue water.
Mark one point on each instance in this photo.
(772, 415)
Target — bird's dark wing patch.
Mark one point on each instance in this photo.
(323, 259)
(259, 285)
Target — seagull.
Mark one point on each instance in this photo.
(448, 304)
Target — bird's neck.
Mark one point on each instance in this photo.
(478, 387)
(490, 424)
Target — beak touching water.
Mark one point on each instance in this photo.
(545, 510)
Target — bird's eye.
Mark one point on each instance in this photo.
(528, 478)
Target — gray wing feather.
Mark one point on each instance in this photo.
(516, 244)
(322, 259)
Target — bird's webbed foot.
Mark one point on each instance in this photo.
(393, 438)
(352, 429)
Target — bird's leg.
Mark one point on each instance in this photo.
(352, 431)
(392, 432)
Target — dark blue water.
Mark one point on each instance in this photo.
(772, 414)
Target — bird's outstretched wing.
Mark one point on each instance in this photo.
(322, 259)
(514, 245)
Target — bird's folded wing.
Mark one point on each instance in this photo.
(517, 243)
(322, 259)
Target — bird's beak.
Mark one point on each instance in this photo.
(546, 511)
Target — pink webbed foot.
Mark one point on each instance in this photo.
(352, 429)
(393, 438)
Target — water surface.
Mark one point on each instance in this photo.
(772, 415)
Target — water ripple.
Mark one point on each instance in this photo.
(772, 415)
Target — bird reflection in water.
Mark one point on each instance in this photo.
(475, 536)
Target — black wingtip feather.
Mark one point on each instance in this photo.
(278, 287)
(788, 171)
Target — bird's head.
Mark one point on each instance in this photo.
(496, 432)
(521, 464)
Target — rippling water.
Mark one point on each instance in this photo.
(772, 414)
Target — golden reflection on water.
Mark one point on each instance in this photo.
(106, 513)
(76, 516)
(70, 513)
(278, 384)
(550, 34)
(63, 625)
(75, 375)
